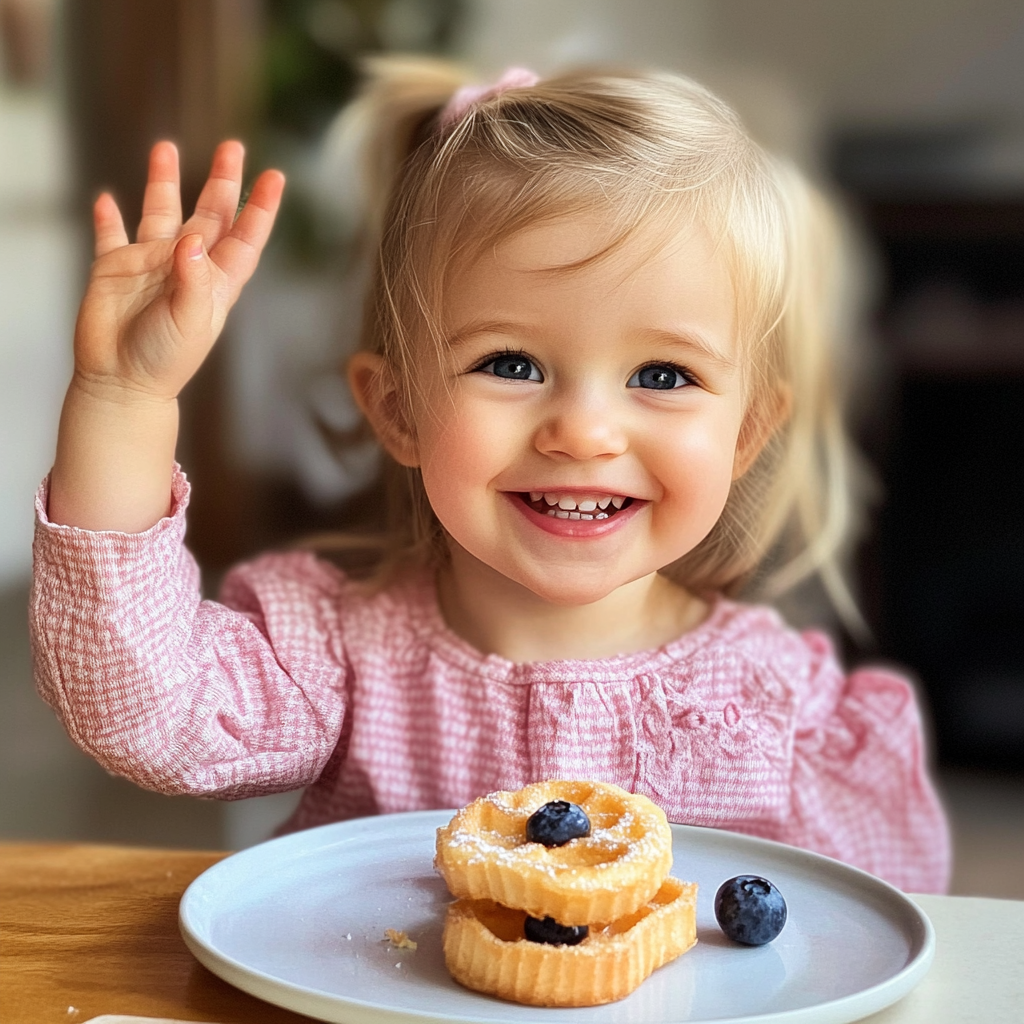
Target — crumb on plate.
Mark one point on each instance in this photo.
(398, 939)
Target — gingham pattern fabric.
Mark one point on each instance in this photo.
(300, 677)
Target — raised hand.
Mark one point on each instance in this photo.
(151, 314)
(153, 309)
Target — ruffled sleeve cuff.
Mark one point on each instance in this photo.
(70, 562)
(50, 536)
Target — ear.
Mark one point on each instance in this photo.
(759, 424)
(373, 387)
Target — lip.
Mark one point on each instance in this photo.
(576, 529)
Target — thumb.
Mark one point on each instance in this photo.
(191, 300)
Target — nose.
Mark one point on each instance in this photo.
(582, 424)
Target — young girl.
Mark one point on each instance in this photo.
(597, 346)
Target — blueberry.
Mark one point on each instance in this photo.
(556, 823)
(548, 930)
(750, 910)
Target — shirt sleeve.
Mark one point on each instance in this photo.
(861, 790)
(180, 694)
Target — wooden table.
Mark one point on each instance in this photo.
(92, 930)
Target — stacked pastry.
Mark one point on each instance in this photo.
(564, 896)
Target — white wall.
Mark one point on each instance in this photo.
(884, 60)
(38, 284)
(547, 34)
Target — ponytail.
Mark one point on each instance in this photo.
(373, 136)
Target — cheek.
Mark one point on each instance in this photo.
(461, 454)
(697, 472)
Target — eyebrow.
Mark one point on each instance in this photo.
(694, 341)
(475, 327)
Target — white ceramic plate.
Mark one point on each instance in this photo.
(299, 921)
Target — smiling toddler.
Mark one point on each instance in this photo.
(596, 350)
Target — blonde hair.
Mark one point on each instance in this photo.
(643, 149)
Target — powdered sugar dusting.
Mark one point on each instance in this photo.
(625, 830)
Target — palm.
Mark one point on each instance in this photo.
(151, 314)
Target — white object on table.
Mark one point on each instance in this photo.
(977, 976)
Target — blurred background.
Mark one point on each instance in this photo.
(910, 111)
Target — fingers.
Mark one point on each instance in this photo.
(238, 252)
(108, 225)
(161, 206)
(218, 202)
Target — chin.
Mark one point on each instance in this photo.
(566, 589)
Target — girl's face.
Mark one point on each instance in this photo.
(584, 434)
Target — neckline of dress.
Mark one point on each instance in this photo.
(447, 644)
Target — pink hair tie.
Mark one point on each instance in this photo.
(469, 95)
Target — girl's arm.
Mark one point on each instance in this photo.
(151, 314)
(179, 694)
(763, 732)
(860, 786)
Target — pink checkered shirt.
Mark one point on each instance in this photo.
(300, 677)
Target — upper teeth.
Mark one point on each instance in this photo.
(578, 503)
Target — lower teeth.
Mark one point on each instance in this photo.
(575, 515)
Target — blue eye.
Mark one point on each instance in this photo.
(658, 377)
(511, 367)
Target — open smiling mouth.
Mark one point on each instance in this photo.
(574, 506)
